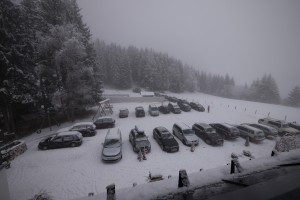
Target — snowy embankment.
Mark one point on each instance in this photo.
(74, 172)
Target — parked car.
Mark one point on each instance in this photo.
(197, 106)
(104, 122)
(139, 111)
(165, 139)
(207, 134)
(164, 108)
(172, 99)
(184, 107)
(268, 130)
(153, 110)
(295, 125)
(139, 140)
(112, 146)
(137, 90)
(282, 127)
(227, 131)
(254, 134)
(184, 133)
(123, 112)
(174, 108)
(87, 129)
(60, 140)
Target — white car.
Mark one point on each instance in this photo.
(153, 110)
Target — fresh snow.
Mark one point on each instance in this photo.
(71, 173)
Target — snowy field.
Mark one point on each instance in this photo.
(74, 172)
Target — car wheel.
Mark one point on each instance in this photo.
(73, 145)
(207, 141)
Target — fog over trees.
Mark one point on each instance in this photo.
(48, 63)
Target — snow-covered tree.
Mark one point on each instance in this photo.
(294, 97)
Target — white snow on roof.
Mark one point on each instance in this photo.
(68, 133)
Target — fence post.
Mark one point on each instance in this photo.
(111, 192)
(183, 180)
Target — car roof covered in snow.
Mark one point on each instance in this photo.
(113, 133)
(68, 133)
(83, 123)
(204, 125)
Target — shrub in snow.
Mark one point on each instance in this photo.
(43, 195)
(287, 143)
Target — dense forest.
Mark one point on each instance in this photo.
(50, 64)
(47, 60)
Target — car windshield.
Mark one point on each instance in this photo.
(111, 143)
(142, 138)
(234, 129)
(188, 132)
(154, 109)
(285, 125)
(166, 135)
(210, 130)
(142, 143)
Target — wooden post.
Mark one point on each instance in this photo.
(111, 192)
(183, 180)
(232, 167)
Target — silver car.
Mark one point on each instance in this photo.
(112, 146)
(185, 134)
(254, 134)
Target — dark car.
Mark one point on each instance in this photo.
(139, 140)
(184, 106)
(164, 108)
(227, 131)
(139, 111)
(61, 140)
(207, 134)
(172, 99)
(174, 108)
(112, 146)
(104, 122)
(182, 101)
(185, 134)
(87, 129)
(137, 90)
(197, 106)
(123, 112)
(165, 139)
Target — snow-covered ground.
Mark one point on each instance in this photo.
(74, 172)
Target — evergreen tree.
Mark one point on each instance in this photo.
(294, 97)
(17, 77)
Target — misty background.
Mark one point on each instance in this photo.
(245, 39)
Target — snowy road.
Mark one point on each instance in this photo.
(74, 172)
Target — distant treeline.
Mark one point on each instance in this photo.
(124, 68)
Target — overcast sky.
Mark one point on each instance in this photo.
(245, 39)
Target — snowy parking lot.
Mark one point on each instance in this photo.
(74, 172)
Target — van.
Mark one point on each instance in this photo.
(153, 110)
(185, 133)
(254, 134)
(282, 127)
